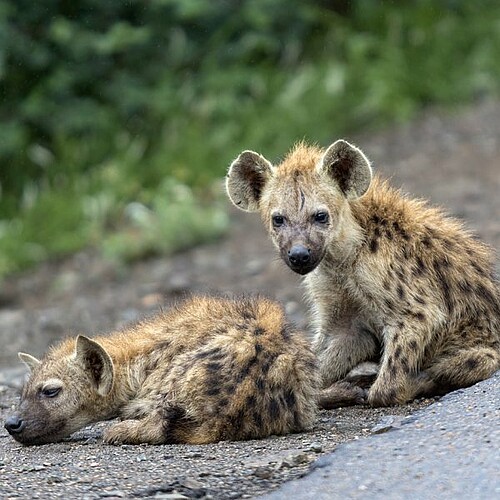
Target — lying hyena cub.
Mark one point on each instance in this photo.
(211, 369)
(389, 278)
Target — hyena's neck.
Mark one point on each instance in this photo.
(133, 357)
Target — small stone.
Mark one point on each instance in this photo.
(315, 447)
(192, 484)
(293, 461)
(263, 473)
(171, 496)
(387, 424)
(112, 493)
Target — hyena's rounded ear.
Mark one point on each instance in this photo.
(348, 167)
(246, 178)
(96, 362)
(30, 361)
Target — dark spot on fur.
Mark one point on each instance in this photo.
(214, 354)
(260, 383)
(230, 389)
(376, 219)
(259, 331)
(448, 244)
(479, 270)
(248, 314)
(274, 409)
(487, 295)
(465, 286)
(426, 241)
(237, 419)
(397, 352)
(286, 332)
(443, 283)
(245, 371)
(250, 401)
(174, 418)
(213, 366)
(290, 398)
(401, 292)
(419, 299)
(420, 267)
(400, 325)
(213, 391)
(373, 245)
(413, 345)
(388, 234)
(404, 365)
(389, 303)
(395, 337)
(222, 403)
(258, 349)
(266, 363)
(257, 418)
(401, 274)
(471, 363)
(376, 232)
(420, 316)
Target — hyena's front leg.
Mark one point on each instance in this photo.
(341, 349)
(404, 347)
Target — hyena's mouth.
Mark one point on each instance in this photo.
(303, 269)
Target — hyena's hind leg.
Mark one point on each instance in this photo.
(453, 370)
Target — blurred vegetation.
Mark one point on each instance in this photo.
(119, 118)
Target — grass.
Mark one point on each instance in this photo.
(155, 188)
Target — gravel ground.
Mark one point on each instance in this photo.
(450, 158)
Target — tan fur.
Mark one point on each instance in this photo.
(388, 277)
(210, 369)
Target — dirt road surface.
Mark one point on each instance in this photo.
(451, 158)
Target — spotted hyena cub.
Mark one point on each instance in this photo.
(211, 369)
(389, 278)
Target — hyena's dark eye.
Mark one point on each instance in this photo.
(321, 217)
(278, 220)
(50, 392)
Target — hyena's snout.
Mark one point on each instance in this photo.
(14, 425)
(301, 259)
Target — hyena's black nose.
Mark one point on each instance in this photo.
(299, 255)
(14, 425)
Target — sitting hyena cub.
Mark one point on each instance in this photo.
(211, 369)
(389, 278)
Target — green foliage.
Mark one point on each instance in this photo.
(107, 105)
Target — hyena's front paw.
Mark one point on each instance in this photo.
(386, 395)
(144, 431)
(122, 433)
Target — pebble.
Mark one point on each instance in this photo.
(387, 424)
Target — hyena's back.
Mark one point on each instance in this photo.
(242, 372)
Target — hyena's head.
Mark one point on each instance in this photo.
(64, 392)
(304, 201)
